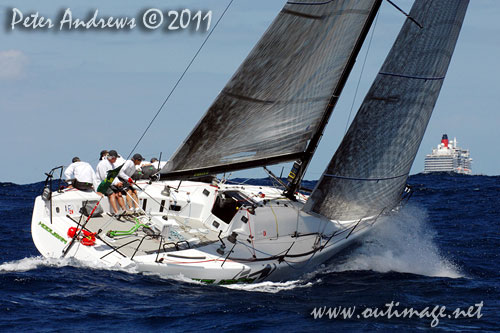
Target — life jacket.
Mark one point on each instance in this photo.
(87, 238)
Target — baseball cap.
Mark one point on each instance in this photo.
(113, 153)
(138, 157)
(75, 159)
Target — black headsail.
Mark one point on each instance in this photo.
(277, 100)
(369, 170)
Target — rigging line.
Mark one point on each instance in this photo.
(276, 220)
(407, 15)
(137, 203)
(361, 74)
(180, 78)
(251, 236)
(151, 197)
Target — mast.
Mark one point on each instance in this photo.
(295, 178)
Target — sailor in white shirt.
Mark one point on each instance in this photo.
(119, 161)
(81, 175)
(127, 171)
(103, 155)
(114, 192)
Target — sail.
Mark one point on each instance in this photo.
(275, 101)
(369, 170)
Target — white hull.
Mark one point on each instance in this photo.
(275, 240)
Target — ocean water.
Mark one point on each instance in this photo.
(441, 250)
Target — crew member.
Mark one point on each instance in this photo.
(81, 175)
(114, 190)
(127, 171)
(149, 169)
(104, 154)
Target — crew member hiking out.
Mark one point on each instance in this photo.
(81, 175)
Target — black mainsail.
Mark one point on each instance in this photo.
(281, 96)
(369, 170)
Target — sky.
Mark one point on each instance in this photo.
(66, 93)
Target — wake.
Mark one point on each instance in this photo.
(272, 287)
(33, 263)
(401, 243)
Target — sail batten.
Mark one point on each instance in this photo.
(413, 76)
(276, 101)
(292, 101)
(368, 172)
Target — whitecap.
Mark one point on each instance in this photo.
(32, 263)
(270, 287)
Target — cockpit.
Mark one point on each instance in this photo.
(228, 203)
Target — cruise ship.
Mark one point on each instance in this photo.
(448, 157)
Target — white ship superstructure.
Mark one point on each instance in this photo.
(448, 157)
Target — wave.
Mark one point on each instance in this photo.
(33, 263)
(403, 242)
(272, 287)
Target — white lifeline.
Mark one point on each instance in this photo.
(216, 233)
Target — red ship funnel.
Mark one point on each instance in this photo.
(444, 140)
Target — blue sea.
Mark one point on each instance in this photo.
(441, 250)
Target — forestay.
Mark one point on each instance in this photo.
(368, 172)
(273, 104)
